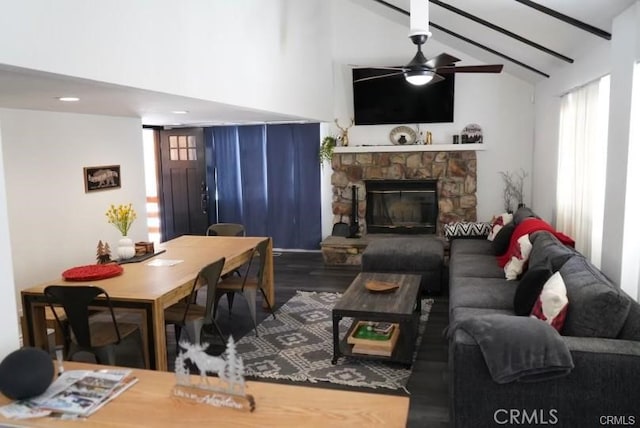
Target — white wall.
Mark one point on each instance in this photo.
(269, 55)
(9, 339)
(501, 104)
(54, 224)
(620, 242)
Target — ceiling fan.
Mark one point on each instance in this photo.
(420, 70)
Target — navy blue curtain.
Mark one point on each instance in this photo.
(267, 178)
(223, 161)
(293, 185)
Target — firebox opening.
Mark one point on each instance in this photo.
(402, 206)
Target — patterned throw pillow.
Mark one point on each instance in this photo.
(519, 257)
(497, 223)
(466, 230)
(551, 306)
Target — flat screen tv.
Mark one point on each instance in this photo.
(391, 100)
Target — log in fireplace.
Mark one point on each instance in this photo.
(402, 206)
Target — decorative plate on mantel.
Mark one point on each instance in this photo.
(402, 135)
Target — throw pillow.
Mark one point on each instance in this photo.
(466, 230)
(519, 257)
(497, 222)
(551, 306)
(502, 239)
(529, 289)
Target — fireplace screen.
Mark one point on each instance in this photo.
(402, 206)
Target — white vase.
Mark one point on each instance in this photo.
(126, 248)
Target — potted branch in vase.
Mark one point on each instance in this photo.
(513, 188)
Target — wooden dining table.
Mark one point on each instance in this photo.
(150, 403)
(150, 286)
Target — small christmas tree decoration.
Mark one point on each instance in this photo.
(227, 390)
(103, 253)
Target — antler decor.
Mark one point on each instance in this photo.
(344, 132)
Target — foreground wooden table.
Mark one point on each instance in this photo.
(149, 403)
(149, 290)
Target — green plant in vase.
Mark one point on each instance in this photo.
(326, 148)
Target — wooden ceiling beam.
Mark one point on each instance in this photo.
(567, 19)
(488, 49)
(501, 30)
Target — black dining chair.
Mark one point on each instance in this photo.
(88, 332)
(247, 285)
(192, 317)
(226, 229)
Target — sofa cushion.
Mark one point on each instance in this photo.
(548, 251)
(500, 243)
(597, 308)
(494, 293)
(551, 306)
(475, 265)
(529, 289)
(470, 246)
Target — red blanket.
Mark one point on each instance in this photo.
(529, 226)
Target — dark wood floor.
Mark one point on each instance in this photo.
(306, 271)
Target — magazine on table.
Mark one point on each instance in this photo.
(74, 392)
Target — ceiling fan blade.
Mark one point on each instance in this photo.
(441, 60)
(492, 68)
(436, 78)
(378, 76)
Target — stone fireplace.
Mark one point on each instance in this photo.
(452, 173)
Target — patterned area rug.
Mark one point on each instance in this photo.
(298, 346)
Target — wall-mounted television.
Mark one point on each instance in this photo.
(392, 100)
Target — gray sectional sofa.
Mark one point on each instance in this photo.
(601, 332)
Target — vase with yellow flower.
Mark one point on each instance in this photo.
(122, 217)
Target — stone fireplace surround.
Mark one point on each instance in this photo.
(454, 170)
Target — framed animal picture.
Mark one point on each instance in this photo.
(101, 178)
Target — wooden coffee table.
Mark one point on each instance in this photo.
(402, 306)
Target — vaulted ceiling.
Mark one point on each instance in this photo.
(532, 40)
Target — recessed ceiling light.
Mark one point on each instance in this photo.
(68, 99)
(179, 112)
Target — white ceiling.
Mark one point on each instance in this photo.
(34, 90)
(27, 89)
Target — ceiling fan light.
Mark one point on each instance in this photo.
(418, 77)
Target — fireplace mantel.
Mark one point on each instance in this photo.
(411, 148)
